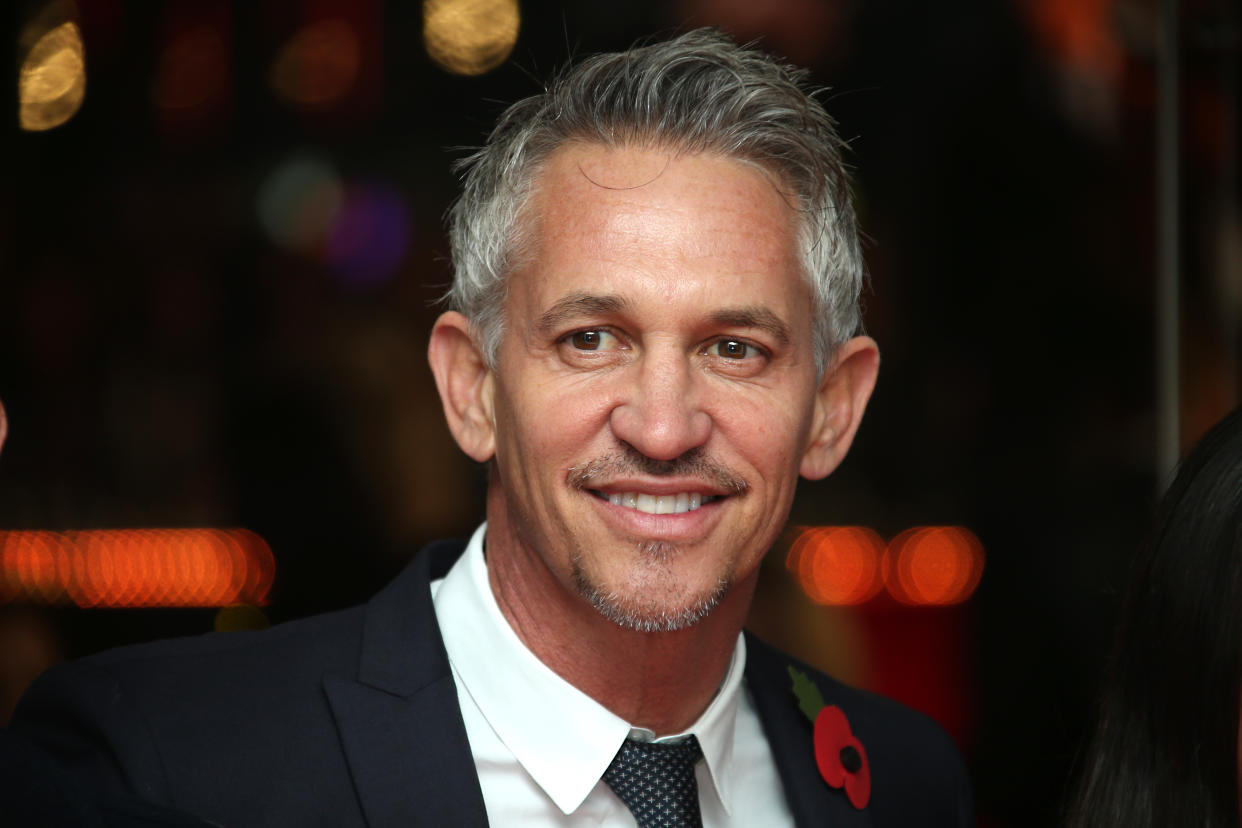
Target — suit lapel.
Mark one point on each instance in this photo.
(398, 719)
(789, 734)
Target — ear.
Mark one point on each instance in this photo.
(839, 404)
(465, 385)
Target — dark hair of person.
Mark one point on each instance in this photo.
(1165, 751)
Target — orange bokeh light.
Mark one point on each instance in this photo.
(193, 70)
(319, 65)
(933, 565)
(136, 567)
(28, 565)
(923, 566)
(837, 565)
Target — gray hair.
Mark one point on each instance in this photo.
(697, 93)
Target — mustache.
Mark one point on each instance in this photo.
(630, 461)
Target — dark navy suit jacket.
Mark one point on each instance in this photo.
(351, 718)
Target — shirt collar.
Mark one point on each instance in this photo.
(562, 737)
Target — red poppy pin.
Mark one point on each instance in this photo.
(841, 758)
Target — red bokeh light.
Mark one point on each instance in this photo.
(923, 566)
(933, 565)
(838, 565)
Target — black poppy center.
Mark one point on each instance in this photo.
(850, 759)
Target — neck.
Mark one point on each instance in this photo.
(662, 681)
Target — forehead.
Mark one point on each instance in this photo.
(612, 219)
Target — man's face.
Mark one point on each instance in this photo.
(655, 389)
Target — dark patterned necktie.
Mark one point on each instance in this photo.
(656, 782)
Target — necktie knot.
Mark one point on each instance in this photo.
(656, 782)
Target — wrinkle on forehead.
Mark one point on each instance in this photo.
(648, 164)
(639, 171)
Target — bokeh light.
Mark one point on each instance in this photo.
(298, 202)
(193, 70)
(933, 565)
(837, 565)
(369, 236)
(319, 65)
(31, 568)
(923, 566)
(51, 84)
(1082, 33)
(136, 567)
(470, 37)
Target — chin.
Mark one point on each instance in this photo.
(655, 599)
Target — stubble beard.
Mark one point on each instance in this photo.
(652, 602)
(645, 612)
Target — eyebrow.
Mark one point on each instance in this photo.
(579, 304)
(753, 316)
(589, 304)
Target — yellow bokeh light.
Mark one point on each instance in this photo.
(52, 82)
(470, 37)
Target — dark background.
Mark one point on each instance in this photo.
(165, 361)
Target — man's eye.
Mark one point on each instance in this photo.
(733, 349)
(592, 340)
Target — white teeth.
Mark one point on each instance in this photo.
(658, 504)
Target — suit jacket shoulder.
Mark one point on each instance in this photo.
(917, 775)
(323, 721)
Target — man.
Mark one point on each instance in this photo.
(655, 302)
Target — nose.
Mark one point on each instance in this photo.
(660, 413)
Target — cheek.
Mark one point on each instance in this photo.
(550, 426)
(769, 435)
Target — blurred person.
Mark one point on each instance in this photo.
(1166, 749)
(652, 335)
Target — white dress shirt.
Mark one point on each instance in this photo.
(541, 745)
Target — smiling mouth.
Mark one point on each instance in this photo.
(673, 504)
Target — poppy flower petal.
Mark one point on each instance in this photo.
(832, 732)
(835, 745)
(858, 785)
